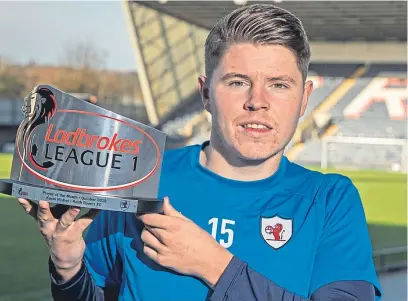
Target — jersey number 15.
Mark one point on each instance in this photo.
(225, 230)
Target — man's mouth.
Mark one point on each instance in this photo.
(253, 127)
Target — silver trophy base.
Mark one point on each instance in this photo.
(80, 199)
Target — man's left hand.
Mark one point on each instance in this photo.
(175, 242)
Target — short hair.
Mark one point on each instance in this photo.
(263, 24)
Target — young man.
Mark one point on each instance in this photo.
(244, 223)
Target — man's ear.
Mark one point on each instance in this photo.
(308, 88)
(204, 91)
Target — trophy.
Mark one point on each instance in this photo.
(72, 152)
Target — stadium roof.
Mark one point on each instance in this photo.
(325, 21)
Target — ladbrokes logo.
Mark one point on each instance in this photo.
(102, 151)
(81, 138)
(83, 156)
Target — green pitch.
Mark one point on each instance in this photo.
(384, 197)
(24, 254)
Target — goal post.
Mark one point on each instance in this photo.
(364, 153)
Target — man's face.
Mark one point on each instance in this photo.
(256, 96)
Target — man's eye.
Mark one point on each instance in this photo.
(236, 84)
(280, 86)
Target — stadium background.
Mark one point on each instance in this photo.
(355, 123)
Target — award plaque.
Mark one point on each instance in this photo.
(72, 152)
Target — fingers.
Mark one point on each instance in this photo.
(67, 219)
(154, 234)
(29, 207)
(153, 254)
(152, 241)
(44, 212)
(169, 210)
(84, 221)
(156, 220)
(63, 213)
(58, 210)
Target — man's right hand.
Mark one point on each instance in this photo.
(63, 234)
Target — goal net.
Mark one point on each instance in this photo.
(386, 154)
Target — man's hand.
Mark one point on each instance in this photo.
(175, 242)
(62, 234)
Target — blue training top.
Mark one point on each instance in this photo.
(299, 228)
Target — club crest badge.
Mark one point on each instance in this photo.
(124, 205)
(276, 231)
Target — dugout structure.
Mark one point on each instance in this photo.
(168, 39)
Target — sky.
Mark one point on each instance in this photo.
(41, 30)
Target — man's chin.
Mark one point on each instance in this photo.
(254, 154)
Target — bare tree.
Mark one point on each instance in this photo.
(87, 61)
(87, 74)
(83, 55)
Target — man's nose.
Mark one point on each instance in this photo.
(257, 99)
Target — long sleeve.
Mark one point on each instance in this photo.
(101, 270)
(80, 288)
(240, 282)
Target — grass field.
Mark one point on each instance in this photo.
(23, 263)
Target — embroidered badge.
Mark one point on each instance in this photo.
(276, 231)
